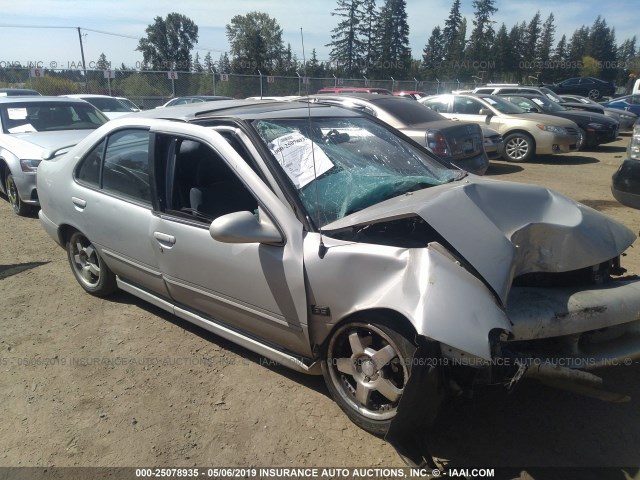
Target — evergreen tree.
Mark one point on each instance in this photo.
(433, 54)
(602, 47)
(208, 63)
(103, 63)
(559, 60)
(545, 45)
(517, 35)
(626, 59)
(532, 35)
(451, 29)
(224, 64)
(346, 45)
(577, 49)
(393, 35)
(368, 35)
(483, 35)
(501, 52)
(196, 66)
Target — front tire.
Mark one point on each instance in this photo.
(583, 140)
(88, 266)
(518, 147)
(594, 94)
(366, 367)
(19, 207)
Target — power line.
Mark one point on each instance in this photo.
(204, 49)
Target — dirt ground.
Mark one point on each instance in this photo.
(117, 382)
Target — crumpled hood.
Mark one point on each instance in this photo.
(505, 229)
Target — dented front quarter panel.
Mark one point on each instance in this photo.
(441, 299)
(499, 230)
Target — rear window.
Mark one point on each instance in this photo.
(408, 111)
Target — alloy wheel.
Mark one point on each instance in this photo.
(367, 370)
(86, 261)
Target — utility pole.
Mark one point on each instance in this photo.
(84, 66)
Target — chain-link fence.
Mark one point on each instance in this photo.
(150, 88)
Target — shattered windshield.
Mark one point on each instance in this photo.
(348, 163)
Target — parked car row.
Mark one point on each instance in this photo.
(525, 134)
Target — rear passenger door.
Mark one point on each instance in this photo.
(251, 287)
(112, 198)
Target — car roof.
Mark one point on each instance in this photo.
(372, 97)
(245, 109)
(87, 95)
(41, 99)
(19, 92)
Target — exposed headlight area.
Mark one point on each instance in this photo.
(29, 165)
(595, 126)
(552, 129)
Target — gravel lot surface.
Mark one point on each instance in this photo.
(117, 382)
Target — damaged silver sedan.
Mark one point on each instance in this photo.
(326, 241)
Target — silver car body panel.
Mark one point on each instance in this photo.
(426, 276)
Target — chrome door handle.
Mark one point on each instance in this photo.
(164, 238)
(78, 202)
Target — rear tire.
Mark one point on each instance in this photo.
(19, 207)
(366, 367)
(88, 266)
(594, 94)
(518, 147)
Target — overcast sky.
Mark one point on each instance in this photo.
(60, 46)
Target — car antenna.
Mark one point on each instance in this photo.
(322, 249)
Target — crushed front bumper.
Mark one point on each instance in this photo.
(582, 328)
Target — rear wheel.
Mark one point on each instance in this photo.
(366, 368)
(594, 93)
(16, 202)
(518, 147)
(88, 267)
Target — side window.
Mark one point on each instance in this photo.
(468, 106)
(126, 165)
(201, 185)
(88, 172)
(438, 105)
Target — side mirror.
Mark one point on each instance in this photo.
(487, 112)
(245, 227)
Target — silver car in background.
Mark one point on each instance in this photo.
(461, 143)
(320, 238)
(33, 127)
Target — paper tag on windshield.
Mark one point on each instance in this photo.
(26, 128)
(17, 113)
(294, 153)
